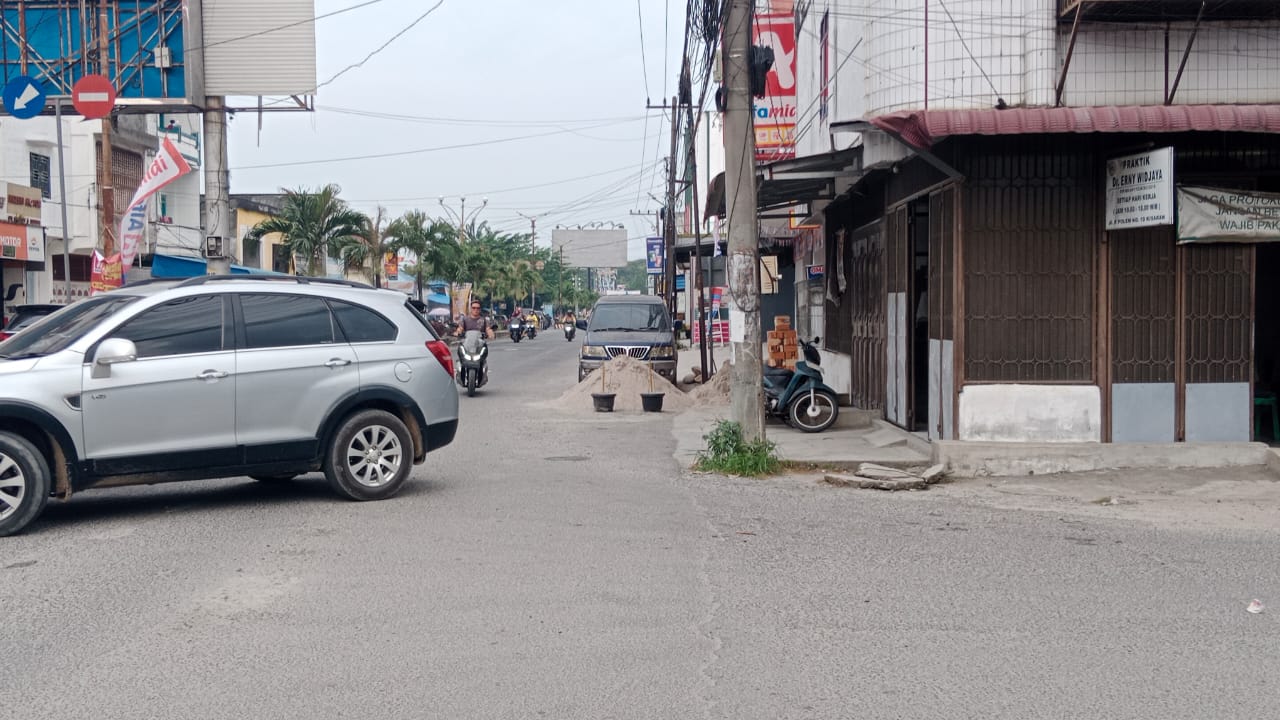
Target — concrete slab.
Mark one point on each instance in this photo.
(981, 459)
(883, 438)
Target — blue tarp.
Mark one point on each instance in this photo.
(175, 266)
(438, 299)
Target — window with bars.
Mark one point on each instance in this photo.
(40, 177)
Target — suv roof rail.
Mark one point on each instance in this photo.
(150, 281)
(299, 279)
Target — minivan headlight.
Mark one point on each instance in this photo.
(663, 351)
(594, 352)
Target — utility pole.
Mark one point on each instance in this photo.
(743, 269)
(669, 257)
(107, 194)
(217, 184)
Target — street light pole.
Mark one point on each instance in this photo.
(461, 217)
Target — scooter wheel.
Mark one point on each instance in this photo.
(812, 416)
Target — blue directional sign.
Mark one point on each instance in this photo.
(24, 97)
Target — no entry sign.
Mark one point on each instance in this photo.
(93, 96)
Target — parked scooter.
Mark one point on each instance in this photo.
(473, 362)
(800, 397)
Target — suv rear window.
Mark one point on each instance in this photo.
(278, 320)
(360, 324)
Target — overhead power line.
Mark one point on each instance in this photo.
(416, 151)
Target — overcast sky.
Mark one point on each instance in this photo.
(480, 72)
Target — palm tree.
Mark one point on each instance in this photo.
(367, 251)
(432, 243)
(312, 224)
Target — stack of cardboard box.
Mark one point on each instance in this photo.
(783, 348)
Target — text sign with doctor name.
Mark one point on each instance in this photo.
(1140, 190)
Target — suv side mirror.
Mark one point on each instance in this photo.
(110, 352)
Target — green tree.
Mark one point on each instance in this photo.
(367, 251)
(431, 243)
(313, 224)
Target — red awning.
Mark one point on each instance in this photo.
(923, 128)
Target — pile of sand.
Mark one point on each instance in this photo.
(718, 390)
(626, 378)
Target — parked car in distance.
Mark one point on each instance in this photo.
(24, 316)
(221, 376)
(635, 325)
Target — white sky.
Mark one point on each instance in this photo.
(481, 71)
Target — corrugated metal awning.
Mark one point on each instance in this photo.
(923, 128)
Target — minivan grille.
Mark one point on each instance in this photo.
(639, 353)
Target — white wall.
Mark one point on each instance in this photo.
(1018, 47)
(1030, 413)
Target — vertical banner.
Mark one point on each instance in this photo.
(654, 254)
(168, 165)
(775, 113)
(391, 266)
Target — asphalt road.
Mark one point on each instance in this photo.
(554, 565)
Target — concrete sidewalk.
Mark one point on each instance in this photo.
(839, 447)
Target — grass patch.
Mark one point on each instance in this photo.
(727, 452)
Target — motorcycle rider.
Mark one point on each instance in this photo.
(475, 322)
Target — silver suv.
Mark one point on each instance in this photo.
(221, 376)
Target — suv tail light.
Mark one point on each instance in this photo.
(4, 335)
(441, 351)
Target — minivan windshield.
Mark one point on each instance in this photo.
(629, 317)
(54, 332)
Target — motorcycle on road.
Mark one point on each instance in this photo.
(473, 362)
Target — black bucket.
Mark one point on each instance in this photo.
(603, 401)
(652, 401)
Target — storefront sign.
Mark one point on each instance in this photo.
(816, 272)
(775, 113)
(23, 243)
(21, 204)
(1140, 190)
(1209, 215)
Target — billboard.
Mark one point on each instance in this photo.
(163, 54)
(591, 248)
(259, 48)
(148, 43)
(654, 252)
(775, 113)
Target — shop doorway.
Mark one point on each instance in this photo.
(918, 321)
(1266, 346)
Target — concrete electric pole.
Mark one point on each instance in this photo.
(217, 187)
(669, 231)
(743, 269)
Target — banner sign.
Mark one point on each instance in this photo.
(1140, 190)
(654, 251)
(167, 166)
(1210, 215)
(391, 265)
(21, 242)
(775, 113)
(105, 274)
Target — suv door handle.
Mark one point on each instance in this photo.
(337, 362)
(213, 375)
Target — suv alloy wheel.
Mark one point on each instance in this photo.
(24, 483)
(370, 456)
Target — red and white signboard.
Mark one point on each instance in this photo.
(776, 112)
(93, 96)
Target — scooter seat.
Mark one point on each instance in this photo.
(781, 372)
